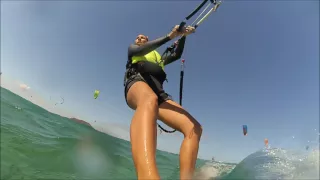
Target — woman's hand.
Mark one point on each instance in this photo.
(185, 31)
(189, 30)
(175, 33)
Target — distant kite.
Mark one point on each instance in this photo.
(266, 142)
(96, 94)
(245, 129)
(59, 102)
(307, 148)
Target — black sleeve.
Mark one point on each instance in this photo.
(135, 50)
(177, 53)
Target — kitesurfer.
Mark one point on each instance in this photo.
(144, 93)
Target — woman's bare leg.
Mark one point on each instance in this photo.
(143, 132)
(172, 114)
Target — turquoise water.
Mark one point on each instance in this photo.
(36, 144)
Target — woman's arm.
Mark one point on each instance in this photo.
(135, 50)
(177, 53)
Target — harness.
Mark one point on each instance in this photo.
(144, 66)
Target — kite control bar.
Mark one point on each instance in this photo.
(195, 24)
(212, 3)
(214, 8)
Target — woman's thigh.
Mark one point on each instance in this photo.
(144, 87)
(172, 114)
(139, 93)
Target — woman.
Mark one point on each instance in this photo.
(144, 94)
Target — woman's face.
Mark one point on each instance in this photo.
(141, 39)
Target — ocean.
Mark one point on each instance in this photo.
(37, 144)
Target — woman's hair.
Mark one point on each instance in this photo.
(147, 38)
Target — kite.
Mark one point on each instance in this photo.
(245, 129)
(96, 94)
(266, 142)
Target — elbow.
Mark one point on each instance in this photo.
(178, 57)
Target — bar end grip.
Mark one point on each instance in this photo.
(182, 24)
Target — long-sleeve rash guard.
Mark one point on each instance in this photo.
(135, 50)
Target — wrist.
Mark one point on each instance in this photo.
(170, 36)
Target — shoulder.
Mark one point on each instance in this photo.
(131, 48)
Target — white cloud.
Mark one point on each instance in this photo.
(24, 87)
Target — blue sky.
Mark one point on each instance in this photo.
(252, 62)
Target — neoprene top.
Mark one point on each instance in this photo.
(135, 50)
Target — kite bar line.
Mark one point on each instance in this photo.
(183, 23)
(213, 3)
(200, 14)
(213, 9)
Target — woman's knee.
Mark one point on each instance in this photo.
(148, 100)
(194, 128)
